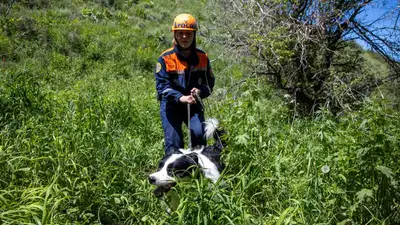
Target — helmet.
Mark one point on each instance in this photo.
(184, 22)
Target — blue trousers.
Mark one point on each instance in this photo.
(172, 117)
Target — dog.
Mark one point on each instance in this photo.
(181, 163)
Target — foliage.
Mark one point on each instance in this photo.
(80, 130)
(306, 49)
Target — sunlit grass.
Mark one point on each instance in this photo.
(80, 132)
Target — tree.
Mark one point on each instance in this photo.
(306, 48)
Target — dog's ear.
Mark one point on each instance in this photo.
(185, 165)
(186, 160)
(193, 158)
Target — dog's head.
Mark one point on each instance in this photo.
(175, 166)
(180, 163)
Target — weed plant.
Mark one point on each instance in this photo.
(80, 131)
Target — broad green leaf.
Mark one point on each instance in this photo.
(242, 139)
(361, 195)
(386, 171)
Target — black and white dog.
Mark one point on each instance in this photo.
(180, 163)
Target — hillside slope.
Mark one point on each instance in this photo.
(80, 130)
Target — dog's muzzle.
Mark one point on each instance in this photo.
(160, 189)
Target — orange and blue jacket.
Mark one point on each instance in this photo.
(176, 74)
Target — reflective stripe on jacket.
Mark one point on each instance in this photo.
(176, 74)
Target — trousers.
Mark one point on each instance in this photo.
(173, 116)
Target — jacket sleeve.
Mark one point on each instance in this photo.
(163, 84)
(207, 86)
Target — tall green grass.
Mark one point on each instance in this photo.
(80, 132)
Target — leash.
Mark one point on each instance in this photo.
(209, 89)
(198, 99)
(189, 134)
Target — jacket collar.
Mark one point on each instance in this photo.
(193, 59)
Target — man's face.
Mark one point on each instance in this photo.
(185, 38)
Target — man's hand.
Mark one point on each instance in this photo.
(188, 99)
(195, 91)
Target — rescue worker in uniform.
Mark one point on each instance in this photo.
(182, 73)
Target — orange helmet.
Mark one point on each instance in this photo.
(184, 22)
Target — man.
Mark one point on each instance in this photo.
(183, 73)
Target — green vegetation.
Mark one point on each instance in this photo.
(80, 130)
(307, 48)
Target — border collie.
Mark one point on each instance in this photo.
(180, 163)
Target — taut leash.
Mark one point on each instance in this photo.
(198, 99)
(189, 134)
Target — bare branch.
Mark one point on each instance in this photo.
(298, 46)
